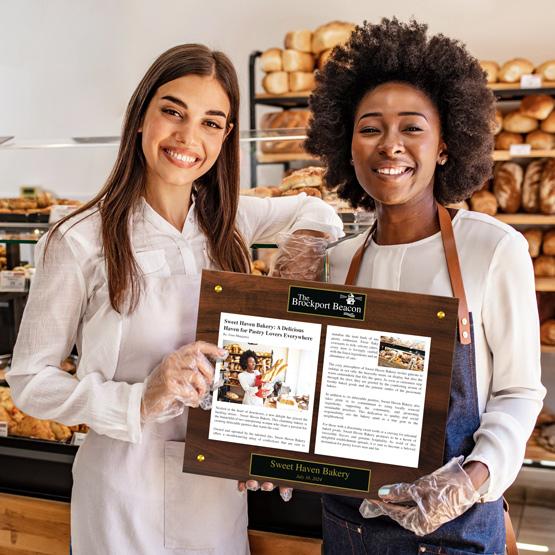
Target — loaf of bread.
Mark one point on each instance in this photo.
(310, 191)
(547, 70)
(491, 69)
(515, 122)
(484, 201)
(547, 187)
(507, 186)
(311, 176)
(271, 60)
(544, 266)
(497, 122)
(286, 119)
(513, 70)
(537, 106)
(531, 186)
(276, 82)
(324, 58)
(534, 238)
(299, 40)
(331, 34)
(505, 139)
(548, 246)
(540, 140)
(461, 205)
(300, 81)
(547, 332)
(293, 60)
(548, 124)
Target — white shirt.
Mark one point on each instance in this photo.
(69, 304)
(499, 283)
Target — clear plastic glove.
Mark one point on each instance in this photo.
(182, 379)
(285, 493)
(426, 504)
(300, 255)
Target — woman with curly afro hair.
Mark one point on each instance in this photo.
(403, 123)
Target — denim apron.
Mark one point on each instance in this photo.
(481, 529)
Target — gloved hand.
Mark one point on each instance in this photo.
(253, 485)
(182, 379)
(426, 504)
(300, 255)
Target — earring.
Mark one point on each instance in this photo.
(443, 161)
(351, 162)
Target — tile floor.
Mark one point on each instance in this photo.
(534, 525)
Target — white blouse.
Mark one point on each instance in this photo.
(69, 304)
(499, 283)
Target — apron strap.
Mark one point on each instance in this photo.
(455, 275)
(453, 266)
(510, 538)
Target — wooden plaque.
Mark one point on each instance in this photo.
(383, 358)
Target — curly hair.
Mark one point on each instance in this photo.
(438, 66)
(245, 355)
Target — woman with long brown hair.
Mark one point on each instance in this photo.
(120, 279)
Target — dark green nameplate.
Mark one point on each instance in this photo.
(309, 472)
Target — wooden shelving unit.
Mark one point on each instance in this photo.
(526, 219)
(283, 158)
(537, 453)
(505, 155)
(545, 284)
(548, 348)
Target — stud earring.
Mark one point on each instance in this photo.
(443, 161)
(351, 162)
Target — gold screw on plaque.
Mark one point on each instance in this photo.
(218, 288)
(200, 458)
(441, 315)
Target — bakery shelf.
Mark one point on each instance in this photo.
(535, 453)
(545, 284)
(512, 91)
(548, 348)
(526, 219)
(287, 100)
(281, 158)
(504, 155)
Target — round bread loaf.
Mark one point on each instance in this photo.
(544, 266)
(548, 246)
(534, 239)
(491, 69)
(276, 82)
(299, 40)
(540, 140)
(515, 122)
(271, 60)
(300, 81)
(513, 70)
(324, 56)
(331, 34)
(531, 186)
(507, 186)
(547, 70)
(293, 60)
(485, 202)
(537, 106)
(548, 124)
(497, 122)
(505, 139)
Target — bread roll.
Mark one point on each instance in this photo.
(507, 186)
(324, 56)
(497, 122)
(485, 202)
(547, 332)
(513, 70)
(547, 187)
(491, 69)
(505, 139)
(537, 106)
(515, 122)
(299, 40)
(271, 60)
(534, 238)
(310, 191)
(293, 60)
(547, 70)
(463, 205)
(548, 246)
(301, 81)
(544, 266)
(540, 140)
(548, 124)
(311, 176)
(331, 34)
(531, 186)
(286, 119)
(276, 82)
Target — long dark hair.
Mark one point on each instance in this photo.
(216, 193)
